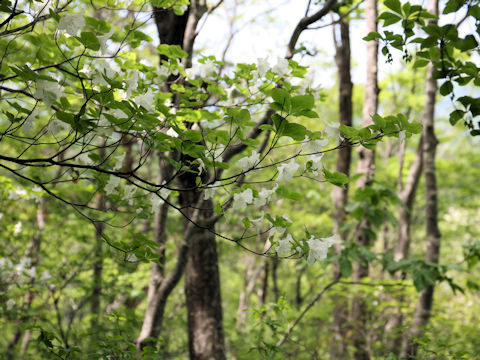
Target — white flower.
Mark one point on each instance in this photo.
(281, 68)
(37, 188)
(48, 91)
(249, 162)
(313, 146)
(319, 248)
(258, 223)
(131, 258)
(42, 7)
(30, 120)
(45, 276)
(55, 125)
(132, 83)
(31, 272)
(17, 228)
(155, 201)
(241, 200)
(263, 66)
(207, 69)
(172, 133)
(104, 70)
(285, 216)
(71, 23)
(10, 304)
(164, 72)
(84, 158)
(1, 216)
(264, 195)
(333, 132)
(334, 239)
(129, 191)
(316, 162)
(283, 249)
(211, 124)
(102, 39)
(146, 100)
(119, 161)
(191, 73)
(210, 191)
(112, 184)
(285, 171)
(16, 194)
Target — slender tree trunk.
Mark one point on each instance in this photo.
(98, 257)
(402, 246)
(338, 349)
(425, 302)
(252, 272)
(32, 252)
(366, 166)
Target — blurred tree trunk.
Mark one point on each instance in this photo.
(402, 246)
(425, 302)
(338, 349)
(32, 252)
(366, 166)
(98, 256)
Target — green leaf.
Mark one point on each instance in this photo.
(394, 5)
(284, 192)
(282, 97)
(389, 18)
(302, 102)
(348, 131)
(420, 63)
(446, 88)
(335, 178)
(89, 40)
(380, 121)
(295, 131)
(414, 128)
(455, 116)
(171, 51)
(466, 44)
(192, 135)
(345, 266)
(372, 36)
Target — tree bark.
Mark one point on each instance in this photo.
(338, 349)
(366, 166)
(202, 280)
(425, 302)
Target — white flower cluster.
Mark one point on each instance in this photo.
(71, 23)
(319, 248)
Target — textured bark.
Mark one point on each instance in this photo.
(425, 302)
(202, 279)
(338, 349)
(366, 166)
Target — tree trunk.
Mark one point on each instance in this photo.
(338, 349)
(202, 279)
(33, 252)
(425, 302)
(366, 166)
(402, 247)
(98, 257)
